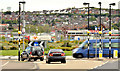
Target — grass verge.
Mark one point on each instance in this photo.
(15, 52)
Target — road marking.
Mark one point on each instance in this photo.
(100, 65)
(5, 64)
(34, 67)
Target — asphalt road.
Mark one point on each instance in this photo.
(110, 65)
(70, 64)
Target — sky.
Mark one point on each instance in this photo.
(39, 5)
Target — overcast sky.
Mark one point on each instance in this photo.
(39, 5)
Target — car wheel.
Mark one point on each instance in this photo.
(63, 61)
(79, 56)
(22, 59)
(41, 59)
(35, 59)
(29, 59)
(48, 61)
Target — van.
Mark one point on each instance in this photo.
(94, 48)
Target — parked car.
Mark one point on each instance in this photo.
(55, 55)
(94, 48)
(33, 52)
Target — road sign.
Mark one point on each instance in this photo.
(41, 44)
(38, 43)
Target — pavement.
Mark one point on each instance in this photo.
(11, 62)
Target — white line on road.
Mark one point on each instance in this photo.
(5, 63)
(100, 65)
(34, 67)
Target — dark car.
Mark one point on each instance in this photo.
(33, 52)
(55, 55)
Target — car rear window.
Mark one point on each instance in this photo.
(37, 48)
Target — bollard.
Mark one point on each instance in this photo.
(100, 54)
(115, 54)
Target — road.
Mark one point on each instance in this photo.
(110, 65)
(70, 64)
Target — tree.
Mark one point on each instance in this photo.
(3, 38)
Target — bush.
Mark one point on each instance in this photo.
(3, 48)
(76, 42)
(66, 45)
(71, 41)
(46, 49)
(74, 47)
(57, 41)
(65, 48)
(80, 42)
(13, 48)
(51, 46)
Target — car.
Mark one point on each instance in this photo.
(33, 52)
(94, 48)
(55, 55)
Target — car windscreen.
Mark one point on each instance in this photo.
(82, 44)
(56, 50)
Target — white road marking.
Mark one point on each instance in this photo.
(100, 65)
(34, 67)
(5, 64)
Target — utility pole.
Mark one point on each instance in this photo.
(110, 29)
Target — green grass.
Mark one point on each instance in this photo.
(9, 52)
(15, 52)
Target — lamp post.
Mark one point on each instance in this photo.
(112, 4)
(19, 32)
(88, 26)
(23, 2)
(100, 32)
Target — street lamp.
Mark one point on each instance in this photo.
(112, 4)
(23, 2)
(19, 32)
(88, 26)
(100, 32)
